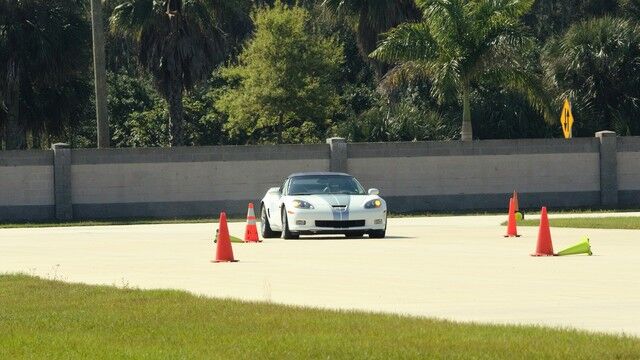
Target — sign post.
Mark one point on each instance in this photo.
(566, 119)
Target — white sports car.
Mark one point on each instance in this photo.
(322, 203)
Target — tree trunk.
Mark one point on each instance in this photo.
(367, 42)
(466, 134)
(176, 113)
(15, 134)
(100, 74)
(175, 86)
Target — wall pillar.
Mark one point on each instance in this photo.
(62, 181)
(338, 162)
(608, 168)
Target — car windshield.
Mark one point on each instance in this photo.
(325, 184)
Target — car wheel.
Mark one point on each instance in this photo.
(377, 234)
(265, 227)
(286, 234)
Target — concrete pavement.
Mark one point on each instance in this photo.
(458, 268)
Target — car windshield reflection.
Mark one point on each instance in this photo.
(325, 184)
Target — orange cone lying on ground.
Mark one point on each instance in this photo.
(224, 252)
(512, 231)
(544, 247)
(251, 231)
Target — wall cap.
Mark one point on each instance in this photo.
(605, 133)
(335, 140)
(60, 146)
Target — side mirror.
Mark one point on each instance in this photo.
(274, 191)
(374, 192)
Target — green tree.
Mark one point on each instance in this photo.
(507, 114)
(460, 43)
(552, 17)
(179, 43)
(374, 17)
(375, 118)
(140, 117)
(596, 65)
(44, 59)
(630, 8)
(283, 88)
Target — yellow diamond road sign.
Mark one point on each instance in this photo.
(566, 119)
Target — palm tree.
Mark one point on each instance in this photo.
(630, 8)
(461, 42)
(596, 64)
(553, 17)
(100, 74)
(179, 43)
(43, 57)
(374, 17)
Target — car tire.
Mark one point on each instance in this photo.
(265, 227)
(286, 233)
(378, 234)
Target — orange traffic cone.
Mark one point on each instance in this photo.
(224, 252)
(519, 214)
(545, 247)
(251, 231)
(511, 225)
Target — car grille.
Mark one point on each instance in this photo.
(342, 224)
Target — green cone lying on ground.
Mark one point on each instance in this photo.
(582, 247)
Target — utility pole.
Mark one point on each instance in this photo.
(100, 74)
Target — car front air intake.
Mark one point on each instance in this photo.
(340, 224)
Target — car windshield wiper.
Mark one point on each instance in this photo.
(296, 194)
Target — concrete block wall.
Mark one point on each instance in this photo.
(26, 185)
(64, 183)
(628, 172)
(199, 181)
(451, 176)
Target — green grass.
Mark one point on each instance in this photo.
(627, 223)
(505, 210)
(145, 221)
(42, 319)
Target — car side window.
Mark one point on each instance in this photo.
(283, 189)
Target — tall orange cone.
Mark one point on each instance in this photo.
(512, 231)
(545, 247)
(251, 231)
(224, 252)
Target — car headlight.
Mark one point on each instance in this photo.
(301, 204)
(373, 204)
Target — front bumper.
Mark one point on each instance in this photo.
(312, 222)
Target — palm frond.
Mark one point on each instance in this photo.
(528, 83)
(446, 77)
(374, 17)
(404, 75)
(407, 42)
(344, 5)
(449, 22)
(231, 17)
(130, 17)
(503, 46)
